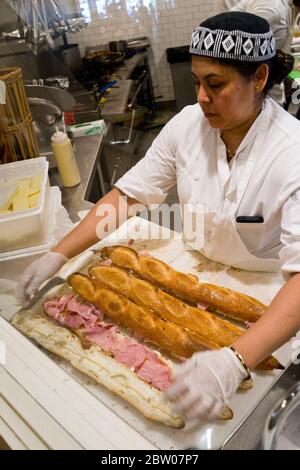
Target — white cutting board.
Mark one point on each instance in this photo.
(260, 285)
(263, 286)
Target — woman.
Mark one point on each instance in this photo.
(236, 152)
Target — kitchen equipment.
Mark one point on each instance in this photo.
(179, 59)
(41, 21)
(118, 46)
(78, 262)
(138, 43)
(70, 56)
(18, 134)
(55, 281)
(47, 105)
(61, 98)
(275, 432)
(44, 111)
(99, 63)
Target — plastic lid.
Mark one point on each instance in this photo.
(59, 137)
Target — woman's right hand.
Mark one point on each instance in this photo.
(36, 273)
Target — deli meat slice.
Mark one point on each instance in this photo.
(87, 321)
(78, 314)
(150, 369)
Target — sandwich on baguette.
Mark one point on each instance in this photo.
(232, 304)
(76, 332)
(171, 325)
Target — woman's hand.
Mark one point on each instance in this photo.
(36, 273)
(205, 383)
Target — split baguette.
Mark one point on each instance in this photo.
(101, 367)
(176, 340)
(218, 332)
(233, 304)
(148, 295)
(170, 338)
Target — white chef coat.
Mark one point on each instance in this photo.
(278, 13)
(192, 154)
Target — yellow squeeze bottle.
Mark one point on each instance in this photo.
(65, 159)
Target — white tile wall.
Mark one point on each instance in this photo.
(168, 23)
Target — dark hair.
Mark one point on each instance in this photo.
(279, 67)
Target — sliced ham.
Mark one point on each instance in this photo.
(84, 310)
(68, 311)
(156, 373)
(106, 340)
(98, 328)
(202, 305)
(105, 262)
(73, 321)
(69, 305)
(54, 307)
(144, 253)
(130, 353)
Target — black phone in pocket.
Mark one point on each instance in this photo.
(250, 219)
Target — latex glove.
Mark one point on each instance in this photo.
(36, 273)
(205, 383)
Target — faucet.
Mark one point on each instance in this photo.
(278, 416)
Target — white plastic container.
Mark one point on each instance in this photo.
(25, 228)
(13, 263)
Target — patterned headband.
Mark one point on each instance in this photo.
(236, 45)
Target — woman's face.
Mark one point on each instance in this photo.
(227, 99)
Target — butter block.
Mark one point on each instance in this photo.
(6, 206)
(34, 200)
(5, 212)
(36, 183)
(20, 203)
(23, 185)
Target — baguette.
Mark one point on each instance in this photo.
(171, 338)
(100, 366)
(169, 308)
(233, 304)
(175, 340)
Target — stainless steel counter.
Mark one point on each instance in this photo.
(250, 434)
(119, 94)
(87, 152)
(126, 70)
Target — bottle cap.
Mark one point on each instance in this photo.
(59, 137)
